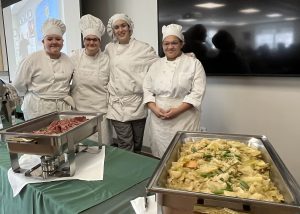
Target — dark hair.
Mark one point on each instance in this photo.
(196, 32)
(223, 40)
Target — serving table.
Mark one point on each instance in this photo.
(125, 178)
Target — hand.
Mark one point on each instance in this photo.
(171, 113)
(159, 112)
(174, 112)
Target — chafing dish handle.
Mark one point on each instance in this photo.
(28, 172)
(228, 204)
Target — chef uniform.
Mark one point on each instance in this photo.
(45, 82)
(168, 84)
(129, 64)
(90, 78)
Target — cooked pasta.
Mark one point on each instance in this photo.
(226, 167)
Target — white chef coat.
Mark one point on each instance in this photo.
(44, 83)
(90, 79)
(168, 84)
(129, 64)
(89, 87)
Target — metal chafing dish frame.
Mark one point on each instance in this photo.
(9, 100)
(21, 140)
(186, 200)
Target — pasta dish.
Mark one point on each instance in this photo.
(226, 167)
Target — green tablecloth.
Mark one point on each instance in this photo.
(122, 170)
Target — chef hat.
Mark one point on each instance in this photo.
(174, 30)
(53, 26)
(115, 18)
(91, 25)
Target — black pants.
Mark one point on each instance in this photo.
(130, 134)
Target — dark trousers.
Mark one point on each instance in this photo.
(130, 134)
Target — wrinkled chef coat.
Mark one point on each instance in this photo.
(44, 83)
(129, 64)
(168, 84)
(89, 87)
(90, 79)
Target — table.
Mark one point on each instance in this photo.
(125, 178)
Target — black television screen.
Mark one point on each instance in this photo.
(238, 37)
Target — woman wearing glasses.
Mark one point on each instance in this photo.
(90, 78)
(173, 91)
(130, 60)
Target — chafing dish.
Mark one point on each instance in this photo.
(9, 100)
(57, 150)
(186, 200)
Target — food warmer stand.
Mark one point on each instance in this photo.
(57, 151)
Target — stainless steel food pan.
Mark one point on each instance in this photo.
(185, 200)
(20, 138)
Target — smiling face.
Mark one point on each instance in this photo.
(53, 45)
(92, 45)
(172, 47)
(121, 31)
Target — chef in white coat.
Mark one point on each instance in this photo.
(130, 60)
(90, 78)
(43, 78)
(173, 91)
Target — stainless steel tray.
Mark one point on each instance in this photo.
(185, 200)
(49, 144)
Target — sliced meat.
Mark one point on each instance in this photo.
(61, 126)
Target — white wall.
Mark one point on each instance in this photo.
(257, 105)
(243, 105)
(71, 16)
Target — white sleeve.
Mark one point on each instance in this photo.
(74, 57)
(147, 85)
(106, 49)
(198, 87)
(23, 77)
(75, 61)
(152, 56)
(145, 53)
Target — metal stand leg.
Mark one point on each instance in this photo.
(99, 131)
(71, 155)
(15, 162)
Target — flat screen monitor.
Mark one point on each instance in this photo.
(23, 21)
(238, 37)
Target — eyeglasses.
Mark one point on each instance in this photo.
(91, 39)
(173, 43)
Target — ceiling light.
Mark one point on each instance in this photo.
(241, 23)
(219, 23)
(249, 10)
(186, 20)
(273, 15)
(210, 5)
(290, 18)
